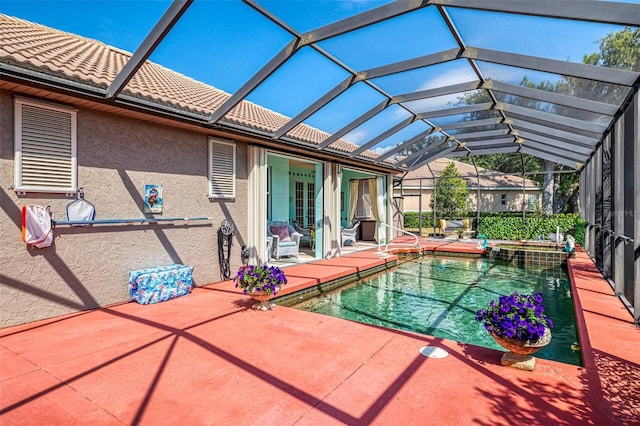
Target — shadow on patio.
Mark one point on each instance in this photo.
(207, 358)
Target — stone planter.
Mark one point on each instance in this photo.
(519, 351)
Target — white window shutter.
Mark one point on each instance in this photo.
(222, 169)
(45, 148)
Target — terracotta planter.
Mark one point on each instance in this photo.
(261, 296)
(521, 347)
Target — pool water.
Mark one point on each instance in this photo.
(440, 297)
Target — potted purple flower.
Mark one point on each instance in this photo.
(519, 324)
(260, 282)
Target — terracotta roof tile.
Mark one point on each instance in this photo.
(92, 62)
(488, 178)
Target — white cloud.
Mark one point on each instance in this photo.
(357, 136)
(399, 114)
(381, 150)
(430, 104)
(505, 74)
(459, 75)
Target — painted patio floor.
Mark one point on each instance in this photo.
(207, 358)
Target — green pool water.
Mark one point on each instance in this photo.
(440, 297)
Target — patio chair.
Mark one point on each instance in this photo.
(349, 234)
(305, 232)
(286, 241)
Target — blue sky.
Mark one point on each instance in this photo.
(223, 43)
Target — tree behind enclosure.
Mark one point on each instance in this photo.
(451, 194)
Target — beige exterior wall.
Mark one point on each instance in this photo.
(490, 201)
(87, 267)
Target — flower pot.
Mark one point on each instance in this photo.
(252, 279)
(264, 299)
(519, 351)
(260, 296)
(523, 347)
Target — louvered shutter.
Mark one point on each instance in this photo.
(45, 148)
(222, 169)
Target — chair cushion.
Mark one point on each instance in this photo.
(282, 232)
(287, 244)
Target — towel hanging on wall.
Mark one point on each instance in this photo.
(36, 226)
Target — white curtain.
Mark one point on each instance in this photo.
(375, 195)
(353, 199)
(332, 197)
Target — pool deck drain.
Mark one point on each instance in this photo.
(433, 352)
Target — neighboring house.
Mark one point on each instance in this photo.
(60, 133)
(498, 192)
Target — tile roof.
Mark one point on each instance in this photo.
(71, 57)
(488, 178)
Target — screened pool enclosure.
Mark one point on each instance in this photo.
(396, 85)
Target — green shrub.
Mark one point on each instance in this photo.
(508, 225)
(512, 228)
(411, 219)
(578, 231)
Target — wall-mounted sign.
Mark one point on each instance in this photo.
(153, 199)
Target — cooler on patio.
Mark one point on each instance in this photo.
(160, 283)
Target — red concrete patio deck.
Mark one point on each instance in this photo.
(208, 358)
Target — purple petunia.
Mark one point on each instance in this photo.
(519, 316)
(267, 279)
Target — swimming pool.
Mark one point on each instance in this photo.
(440, 297)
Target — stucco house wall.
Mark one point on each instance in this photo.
(155, 131)
(87, 267)
(490, 200)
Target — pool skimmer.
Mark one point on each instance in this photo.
(433, 352)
